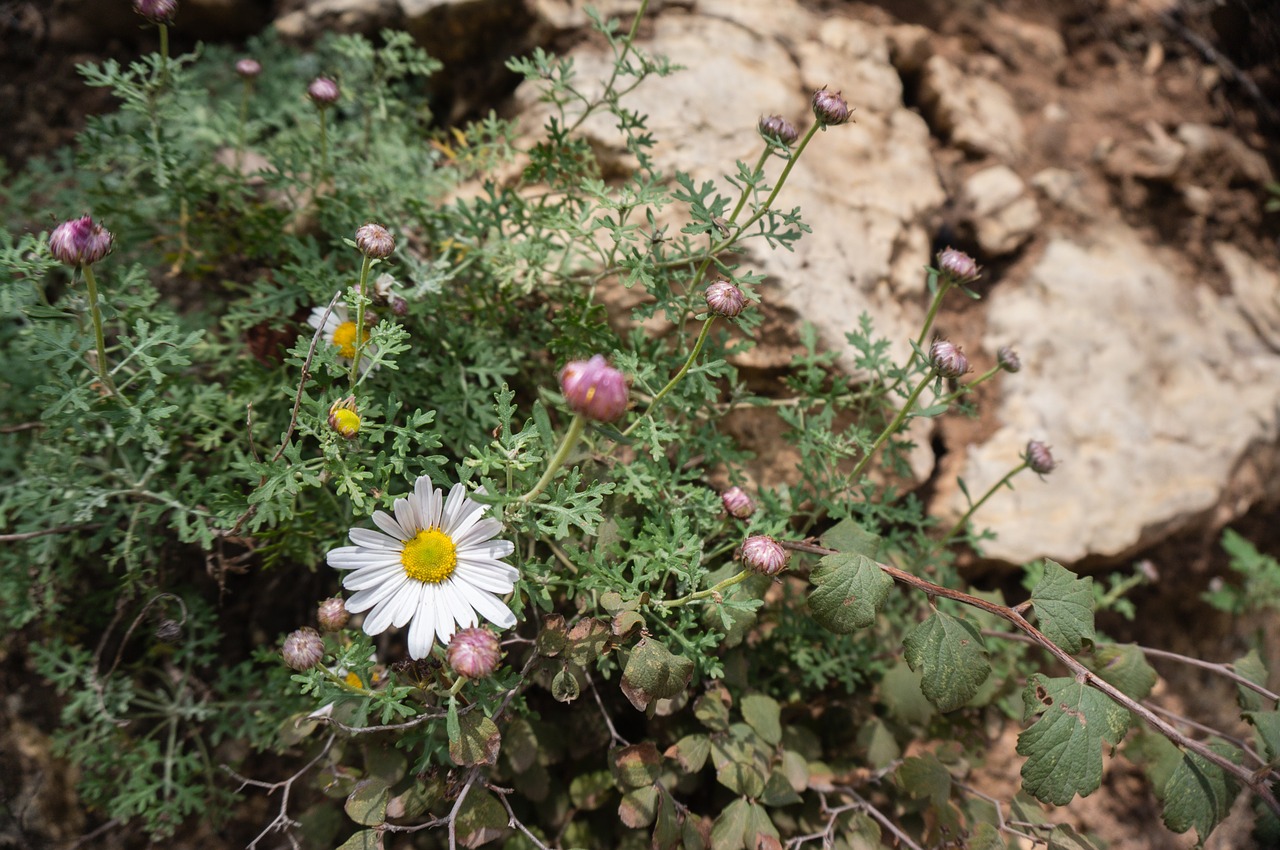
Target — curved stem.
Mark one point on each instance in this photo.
(703, 594)
(361, 299)
(684, 370)
(892, 426)
(960, 523)
(92, 283)
(566, 445)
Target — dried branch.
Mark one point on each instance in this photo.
(282, 822)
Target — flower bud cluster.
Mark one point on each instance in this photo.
(958, 266)
(473, 652)
(737, 503)
(323, 92)
(830, 108)
(344, 419)
(778, 129)
(248, 69)
(947, 359)
(303, 649)
(156, 11)
(1039, 459)
(1008, 359)
(764, 555)
(375, 241)
(725, 299)
(80, 242)
(332, 614)
(594, 389)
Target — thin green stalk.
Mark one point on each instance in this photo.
(92, 283)
(164, 55)
(324, 146)
(703, 594)
(244, 119)
(617, 65)
(892, 426)
(960, 523)
(684, 370)
(966, 388)
(562, 454)
(361, 299)
(943, 286)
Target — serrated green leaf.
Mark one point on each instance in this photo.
(1199, 794)
(759, 829)
(636, 765)
(878, 743)
(711, 710)
(478, 740)
(1267, 724)
(951, 657)
(639, 807)
(778, 791)
(1064, 606)
(482, 819)
(849, 538)
(1252, 668)
(1064, 837)
(367, 802)
(925, 778)
(590, 790)
(764, 715)
(1064, 746)
(564, 685)
(365, 839)
(730, 828)
(901, 691)
(985, 837)
(1124, 665)
(653, 672)
(740, 760)
(691, 752)
(848, 592)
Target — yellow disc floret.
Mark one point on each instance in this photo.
(429, 557)
(344, 339)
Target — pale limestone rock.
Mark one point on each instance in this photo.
(975, 113)
(1257, 291)
(1213, 145)
(1022, 43)
(910, 46)
(1151, 390)
(1002, 212)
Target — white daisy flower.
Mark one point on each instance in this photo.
(339, 330)
(434, 565)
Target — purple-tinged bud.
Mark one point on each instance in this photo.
(1038, 458)
(776, 128)
(725, 299)
(764, 555)
(398, 305)
(332, 614)
(473, 652)
(303, 649)
(737, 503)
(830, 108)
(323, 92)
(375, 241)
(80, 242)
(1008, 359)
(248, 68)
(958, 266)
(947, 359)
(594, 389)
(344, 419)
(156, 11)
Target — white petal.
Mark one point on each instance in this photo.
(354, 557)
(490, 607)
(494, 549)
(366, 599)
(417, 505)
(406, 519)
(484, 579)
(489, 565)
(371, 574)
(422, 630)
(444, 617)
(391, 525)
(462, 610)
(465, 518)
(407, 603)
(482, 531)
(379, 619)
(370, 539)
(453, 506)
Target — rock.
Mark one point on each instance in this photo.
(1158, 157)
(1021, 43)
(1257, 291)
(1151, 389)
(975, 113)
(1063, 188)
(910, 46)
(1214, 147)
(1001, 211)
(319, 16)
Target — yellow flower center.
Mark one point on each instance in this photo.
(344, 338)
(430, 556)
(353, 680)
(345, 422)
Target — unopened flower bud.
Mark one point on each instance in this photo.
(80, 242)
(332, 614)
(594, 389)
(375, 241)
(473, 652)
(343, 417)
(156, 11)
(248, 68)
(830, 108)
(1008, 359)
(303, 649)
(947, 359)
(398, 305)
(777, 128)
(764, 555)
(1039, 459)
(958, 265)
(737, 503)
(725, 299)
(323, 92)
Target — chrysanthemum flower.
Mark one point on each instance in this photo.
(434, 565)
(339, 330)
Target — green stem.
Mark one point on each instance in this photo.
(733, 217)
(244, 119)
(324, 146)
(92, 283)
(703, 594)
(892, 427)
(684, 370)
(924, 332)
(566, 445)
(164, 54)
(966, 388)
(344, 684)
(960, 523)
(617, 65)
(361, 299)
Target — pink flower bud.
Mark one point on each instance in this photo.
(777, 128)
(947, 359)
(725, 299)
(323, 92)
(332, 614)
(1008, 360)
(375, 241)
(737, 503)
(248, 68)
(303, 649)
(958, 265)
(80, 242)
(1039, 459)
(764, 555)
(830, 108)
(156, 11)
(594, 389)
(473, 652)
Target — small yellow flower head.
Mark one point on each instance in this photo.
(343, 417)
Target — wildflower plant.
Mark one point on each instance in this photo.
(230, 550)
